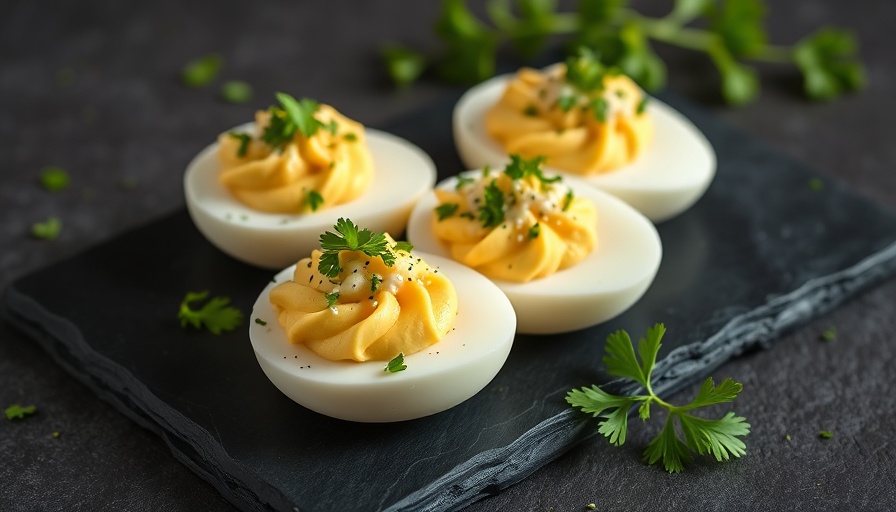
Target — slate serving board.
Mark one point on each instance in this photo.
(761, 253)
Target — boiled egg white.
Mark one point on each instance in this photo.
(669, 177)
(437, 378)
(402, 174)
(603, 285)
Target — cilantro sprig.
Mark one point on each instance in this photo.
(215, 315)
(719, 438)
(730, 32)
(348, 237)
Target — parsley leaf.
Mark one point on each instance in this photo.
(403, 64)
(567, 200)
(331, 297)
(825, 434)
(520, 168)
(18, 411)
(301, 113)
(829, 334)
(719, 438)
(534, 231)
(201, 72)
(313, 199)
(54, 178)
(463, 181)
(396, 364)
(215, 315)
(375, 281)
(402, 247)
(47, 230)
(244, 139)
(443, 211)
(236, 91)
(829, 63)
(491, 212)
(349, 238)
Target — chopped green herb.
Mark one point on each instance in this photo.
(331, 297)
(567, 200)
(54, 178)
(491, 213)
(403, 247)
(375, 281)
(815, 184)
(201, 72)
(601, 108)
(531, 111)
(584, 72)
(313, 199)
(520, 168)
(244, 139)
(48, 229)
(566, 103)
(349, 238)
(716, 437)
(215, 315)
(443, 211)
(534, 231)
(18, 412)
(396, 364)
(259, 321)
(825, 434)
(56, 435)
(829, 334)
(236, 91)
(301, 113)
(642, 105)
(350, 137)
(403, 64)
(463, 181)
(787, 437)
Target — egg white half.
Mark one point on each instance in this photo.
(603, 285)
(437, 378)
(669, 177)
(402, 174)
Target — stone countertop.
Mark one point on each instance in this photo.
(93, 87)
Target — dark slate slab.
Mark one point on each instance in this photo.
(761, 253)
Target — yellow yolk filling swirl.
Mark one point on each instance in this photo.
(334, 163)
(412, 307)
(529, 120)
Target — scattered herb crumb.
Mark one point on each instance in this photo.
(259, 321)
(215, 315)
(54, 178)
(56, 435)
(825, 434)
(787, 437)
(815, 184)
(591, 506)
(829, 334)
(201, 72)
(396, 364)
(47, 230)
(18, 411)
(313, 199)
(236, 92)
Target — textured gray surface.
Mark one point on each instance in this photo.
(125, 116)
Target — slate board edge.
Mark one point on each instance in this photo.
(486, 473)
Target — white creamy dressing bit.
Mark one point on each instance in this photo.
(437, 378)
(669, 177)
(600, 287)
(402, 174)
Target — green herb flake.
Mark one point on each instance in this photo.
(443, 211)
(48, 229)
(396, 364)
(829, 334)
(787, 437)
(719, 438)
(313, 200)
(331, 297)
(566, 103)
(520, 168)
(56, 435)
(201, 72)
(825, 434)
(18, 411)
(244, 139)
(534, 231)
(350, 137)
(491, 212)
(642, 105)
(236, 92)
(601, 109)
(463, 181)
(567, 200)
(216, 315)
(530, 111)
(403, 247)
(375, 282)
(261, 322)
(349, 238)
(591, 506)
(54, 179)
(301, 113)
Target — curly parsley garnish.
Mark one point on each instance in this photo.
(349, 238)
(520, 168)
(719, 438)
(290, 117)
(215, 315)
(396, 364)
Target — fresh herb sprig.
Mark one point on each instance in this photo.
(719, 438)
(396, 364)
(216, 315)
(730, 32)
(19, 411)
(290, 117)
(349, 238)
(520, 168)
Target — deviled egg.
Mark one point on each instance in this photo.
(370, 330)
(591, 122)
(265, 190)
(567, 255)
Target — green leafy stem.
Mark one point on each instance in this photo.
(730, 32)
